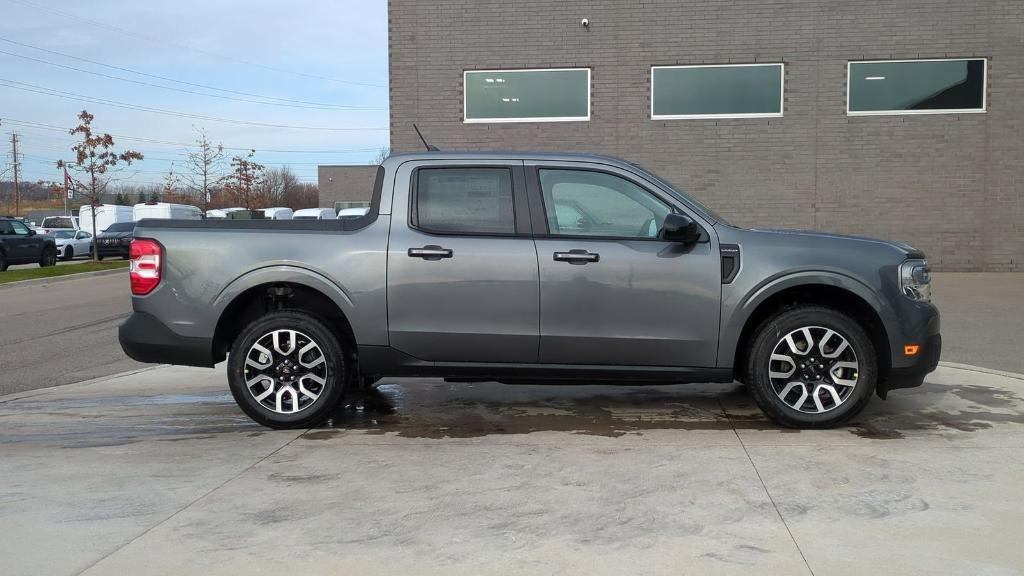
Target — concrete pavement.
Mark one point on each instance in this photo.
(159, 473)
(62, 331)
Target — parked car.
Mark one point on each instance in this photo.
(71, 243)
(115, 240)
(52, 223)
(106, 214)
(538, 268)
(20, 244)
(278, 213)
(315, 214)
(221, 213)
(352, 212)
(166, 210)
(246, 215)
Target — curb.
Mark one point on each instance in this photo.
(972, 368)
(75, 276)
(75, 385)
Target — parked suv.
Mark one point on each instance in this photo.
(114, 241)
(20, 244)
(530, 267)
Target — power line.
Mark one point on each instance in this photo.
(64, 130)
(336, 107)
(190, 48)
(154, 76)
(15, 85)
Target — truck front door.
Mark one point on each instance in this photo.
(462, 267)
(611, 290)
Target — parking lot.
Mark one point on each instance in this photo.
(157, 471)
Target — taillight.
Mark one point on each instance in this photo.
(144, 270)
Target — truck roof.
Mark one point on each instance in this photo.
(507, 155)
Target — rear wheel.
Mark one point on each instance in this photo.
(287, 370)
(811, 367)
(48, 257)
(69, 253)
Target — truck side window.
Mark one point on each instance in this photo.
(588, 203)
(19, 228)
(464, 201)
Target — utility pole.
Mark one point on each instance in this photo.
(17, 189)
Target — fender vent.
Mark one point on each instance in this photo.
(730, 262)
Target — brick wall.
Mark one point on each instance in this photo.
(345, 183)
(949, 184)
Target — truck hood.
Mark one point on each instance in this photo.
(811, 235)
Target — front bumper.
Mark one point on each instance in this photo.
(145, 338)
(921, 327)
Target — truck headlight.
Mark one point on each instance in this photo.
(916, 280)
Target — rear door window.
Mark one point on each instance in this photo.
(463, 201)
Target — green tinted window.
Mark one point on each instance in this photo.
(917, 87)
(525, 95)
(699, 91)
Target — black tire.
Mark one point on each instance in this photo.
(99, 257)
(331, 392)
(773, 331)
(48, 257)
(3, 262)
(69, 253)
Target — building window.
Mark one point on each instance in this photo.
(916, 86)
(550, 95)
(716, 91)
(464, 201)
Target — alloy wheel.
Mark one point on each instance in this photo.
(813, 369)
(285, 371)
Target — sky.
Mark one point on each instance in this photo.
(303, 82)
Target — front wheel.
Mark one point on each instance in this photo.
(811, 367)
(48, 257)
(287, 370)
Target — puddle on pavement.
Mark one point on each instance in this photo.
(444, 411)
(437, 410)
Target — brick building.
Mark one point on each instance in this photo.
(928, 150)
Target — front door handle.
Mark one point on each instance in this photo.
(430, 252)
(577, 257)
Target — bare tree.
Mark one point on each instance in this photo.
(204, 165)
(244, 180)
(171, 183)
(382, 155)
(96, 162)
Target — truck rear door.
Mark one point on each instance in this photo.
(462, 266)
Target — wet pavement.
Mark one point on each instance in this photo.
(158, 472)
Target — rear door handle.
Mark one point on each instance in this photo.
(577, 257)
(430, 252)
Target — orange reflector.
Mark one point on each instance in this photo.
(910, 349)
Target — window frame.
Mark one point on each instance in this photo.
(539, 211)
(520, 212)
(984, 89)
(465, 98)
(782, 93)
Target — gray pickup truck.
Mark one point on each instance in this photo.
(530, 268)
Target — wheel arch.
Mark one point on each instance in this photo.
(832, 290)
(281, 288)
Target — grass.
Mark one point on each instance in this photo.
(54, 271)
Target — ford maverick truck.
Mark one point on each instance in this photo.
(530, 268)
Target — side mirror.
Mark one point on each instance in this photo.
(681, 228)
